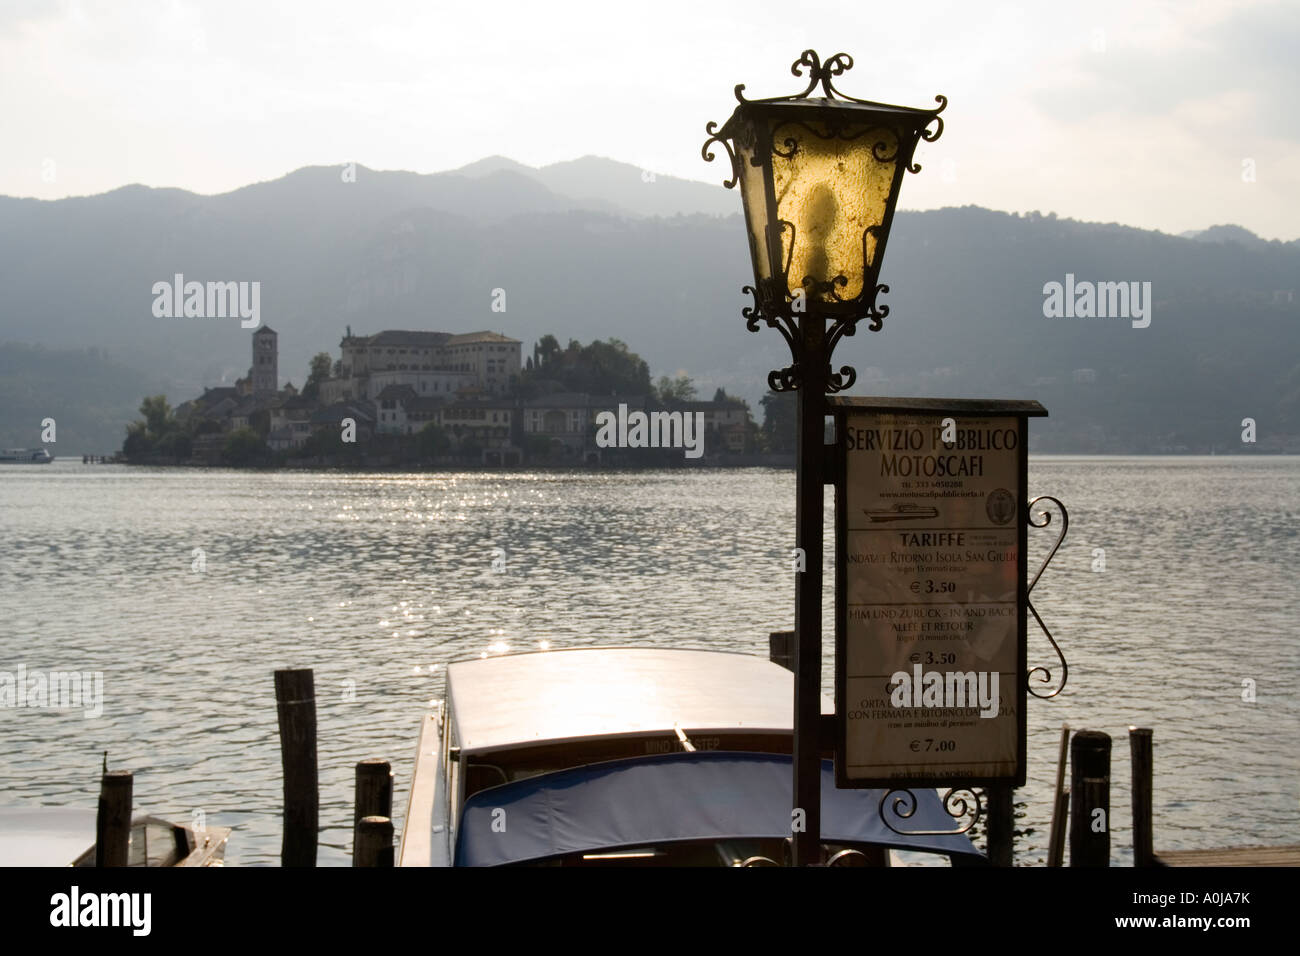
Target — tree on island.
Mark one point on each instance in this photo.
(434, 441)
(158, 417)
(674, 391)
(779, 422)
(601, 368)
(318, 371)
(547, 348)
(244, 447)
(157, 433)
(329, 443)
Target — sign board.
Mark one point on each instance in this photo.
(930, 591)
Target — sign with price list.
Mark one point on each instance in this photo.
(930, 591)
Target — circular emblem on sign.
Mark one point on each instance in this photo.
(1001, 506)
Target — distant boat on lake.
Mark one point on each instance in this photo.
(25, 456)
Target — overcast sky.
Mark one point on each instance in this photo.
(1150, 114)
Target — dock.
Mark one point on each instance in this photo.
(1231, 856)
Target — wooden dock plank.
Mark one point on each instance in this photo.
(1232, 856)
(422, 844)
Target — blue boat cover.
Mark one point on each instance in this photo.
(667, 798)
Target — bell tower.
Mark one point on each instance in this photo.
(265, 373)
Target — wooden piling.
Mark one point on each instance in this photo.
(1140, 751)
(295, 701)
(113, 822)
(780, 648)
(1056, 843)
(1060, 804)
(1090, 792)
(374, 790)
(1001, 825)
(373, 796)
(374, 842)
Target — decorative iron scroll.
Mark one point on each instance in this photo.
(838, 127)
(1046, 674)
(789, 379)
(712, 129)
(961, 803)
(784, 379)
(823, 74)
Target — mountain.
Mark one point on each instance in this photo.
(607, 185)
(594, 249)
(1226, 233)
(88, 394)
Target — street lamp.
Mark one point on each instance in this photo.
(819, 179)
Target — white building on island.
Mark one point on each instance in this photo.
(432, 364)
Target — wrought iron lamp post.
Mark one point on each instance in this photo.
(819, 178)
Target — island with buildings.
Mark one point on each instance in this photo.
(399, 398)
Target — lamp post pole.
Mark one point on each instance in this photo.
(809, 502)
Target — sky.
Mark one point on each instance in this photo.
(1169, 116)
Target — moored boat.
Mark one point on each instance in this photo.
(58, 836)
(633, 757)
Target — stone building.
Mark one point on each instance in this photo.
(432, 364)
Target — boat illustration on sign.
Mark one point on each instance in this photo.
(901, 511)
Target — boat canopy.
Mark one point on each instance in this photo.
(45, 836)
(674, 798)
(500, 703)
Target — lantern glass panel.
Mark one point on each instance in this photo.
(832, 183)
(754, 196)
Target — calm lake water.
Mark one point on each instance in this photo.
(376, 581)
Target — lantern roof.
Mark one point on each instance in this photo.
(832, 105)
(802, 104)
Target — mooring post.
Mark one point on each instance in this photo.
(1060, 804)
(1001, 825)
(373, 796)
(113, 822)
(780, 648)
(1139, 741)
(374, 842)
(1090, 799)
(295, 701)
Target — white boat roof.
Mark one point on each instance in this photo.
(580, 693)
(45, 836)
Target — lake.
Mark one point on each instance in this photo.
(188, 587)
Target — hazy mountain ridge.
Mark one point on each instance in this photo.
(580, 253)
(88, 394)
